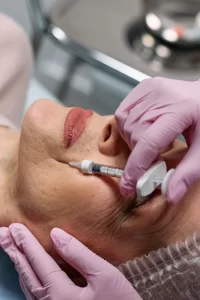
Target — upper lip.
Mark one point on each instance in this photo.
(75, 124)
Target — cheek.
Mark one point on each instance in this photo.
(85, 148)
(75, 199)
(81, 205)
(88, 197)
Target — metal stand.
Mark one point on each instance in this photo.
(70, 71)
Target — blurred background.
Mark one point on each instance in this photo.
(91, 53)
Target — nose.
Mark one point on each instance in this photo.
(111, 142)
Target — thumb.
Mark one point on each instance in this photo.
(77, 255)
(186, 174)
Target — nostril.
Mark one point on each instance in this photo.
(110, 140)
(107, 132)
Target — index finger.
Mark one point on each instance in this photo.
(41, 262)
(136, 96)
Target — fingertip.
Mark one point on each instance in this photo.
(172, 200)
(4, 233)
(18, 231)
(59, 232)
(59, 236)
(125, 190)
(55, 231)
(7, 243)
(176, 192)
(127, 194)
(15, 227)
(22, 236)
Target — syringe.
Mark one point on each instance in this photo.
(90, 167)
(157, 175)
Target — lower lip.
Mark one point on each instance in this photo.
(75, 125)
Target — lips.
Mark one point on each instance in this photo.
(75, 125)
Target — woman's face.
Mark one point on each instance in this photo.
(53, 194)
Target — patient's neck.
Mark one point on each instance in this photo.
(184, 218)
(9, 140)
(187, 219)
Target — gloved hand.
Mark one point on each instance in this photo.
(41, 278)
(149, 119)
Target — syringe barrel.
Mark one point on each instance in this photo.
(90, 167)
(114, 172)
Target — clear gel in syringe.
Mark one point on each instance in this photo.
(90, 167)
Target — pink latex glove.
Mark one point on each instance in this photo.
(149, 119)
(41, 278)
